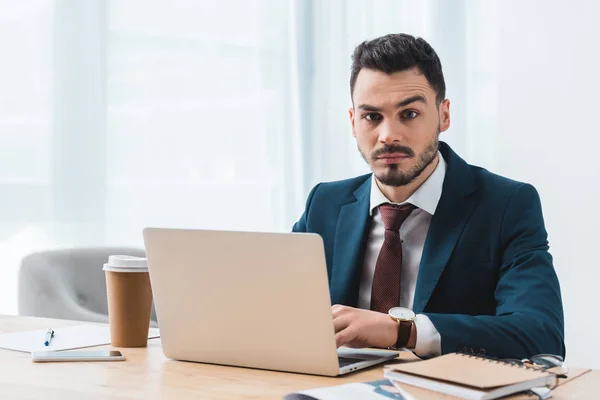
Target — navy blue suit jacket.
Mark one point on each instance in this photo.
(486, 279)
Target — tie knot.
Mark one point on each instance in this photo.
(393, 216)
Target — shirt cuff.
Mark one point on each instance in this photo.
(429, 341)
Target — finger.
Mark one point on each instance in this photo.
(345, 336)
(338, 310)
(341, 322)
(356, 344)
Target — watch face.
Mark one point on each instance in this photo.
(402, 313)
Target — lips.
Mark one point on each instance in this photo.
(393, 158)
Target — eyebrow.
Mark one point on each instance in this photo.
(403, 103)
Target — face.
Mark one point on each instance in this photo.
(396, 122)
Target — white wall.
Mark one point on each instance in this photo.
(547, 134)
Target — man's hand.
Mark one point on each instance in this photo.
(360, 328)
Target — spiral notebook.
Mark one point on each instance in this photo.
(469, 377)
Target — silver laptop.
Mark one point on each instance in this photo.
(248, 299)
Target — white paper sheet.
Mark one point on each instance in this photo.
(69, 337)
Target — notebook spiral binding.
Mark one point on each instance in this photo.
(497, 360)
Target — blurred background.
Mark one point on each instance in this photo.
(121, 114)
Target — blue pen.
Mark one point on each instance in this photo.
(49, 336)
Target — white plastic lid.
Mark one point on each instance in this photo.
(120, 263)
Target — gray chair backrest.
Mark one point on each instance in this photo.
(68, 283)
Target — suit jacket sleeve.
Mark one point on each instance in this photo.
(529, 314)
(300, 226)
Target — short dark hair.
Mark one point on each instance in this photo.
(399, 52)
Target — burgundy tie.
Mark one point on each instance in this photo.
(385, 292)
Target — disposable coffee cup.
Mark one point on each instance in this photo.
(129, 298)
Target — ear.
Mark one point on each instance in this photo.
(444, 115)
(351, 113)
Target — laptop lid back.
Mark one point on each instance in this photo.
(249, 299)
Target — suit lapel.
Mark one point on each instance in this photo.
(454, 210)
(349, 247)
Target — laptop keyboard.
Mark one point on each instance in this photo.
(345, 361)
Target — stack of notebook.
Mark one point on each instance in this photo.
(468, 377)
(448, 377)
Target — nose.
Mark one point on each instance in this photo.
(390, 132)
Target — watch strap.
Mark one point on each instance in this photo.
(404, 328)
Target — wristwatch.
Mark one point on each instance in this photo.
(405, 318)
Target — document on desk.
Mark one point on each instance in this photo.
(385, 389)
(66, 338)
(375, 390)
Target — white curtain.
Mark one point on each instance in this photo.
(26, 48)
(116, 115)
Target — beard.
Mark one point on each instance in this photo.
(393, 176)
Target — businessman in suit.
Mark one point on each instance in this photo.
(464, 249)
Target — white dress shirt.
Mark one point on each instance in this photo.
(413, 233)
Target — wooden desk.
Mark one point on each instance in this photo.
(147, 374)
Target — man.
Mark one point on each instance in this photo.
(463, 248)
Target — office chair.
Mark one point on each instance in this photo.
(68, 283)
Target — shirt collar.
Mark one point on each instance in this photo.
(426, 197)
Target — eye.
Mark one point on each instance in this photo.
(409, 114)
(373, 117)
